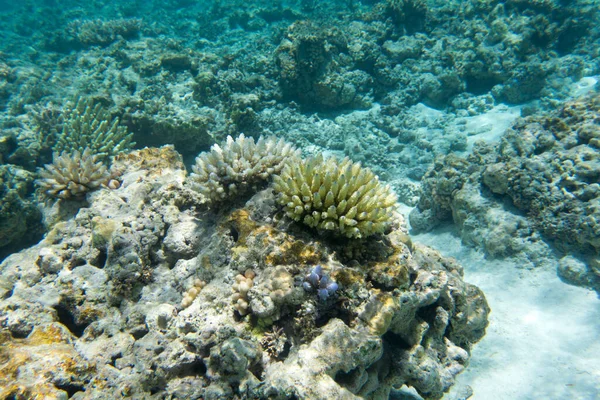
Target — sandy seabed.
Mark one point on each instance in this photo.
(543, 341)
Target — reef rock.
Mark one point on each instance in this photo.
(144, 291)
(538, 185)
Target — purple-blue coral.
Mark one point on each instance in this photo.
(319, 282)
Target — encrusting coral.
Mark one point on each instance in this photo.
(338, 196)
(73, 175)
(236, 165)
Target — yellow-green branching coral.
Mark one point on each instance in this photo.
(338, 196)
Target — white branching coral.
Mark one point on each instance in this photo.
(337, 196)
(236, 165)
(73, 175)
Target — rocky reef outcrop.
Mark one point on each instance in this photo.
(535, 192)
(144, 292)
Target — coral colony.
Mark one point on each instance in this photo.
(337, 196)
(236, 165)
(319, 282)
(72, 175)
(253, 244)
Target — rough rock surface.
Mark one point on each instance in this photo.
(21, 221)
(541, 181)
(104, 289)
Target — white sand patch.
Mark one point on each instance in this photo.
(543, 341)
(584, 85)
(490, 126)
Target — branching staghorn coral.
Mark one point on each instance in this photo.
(236, 165)
(73, 175)
(88, 125)
(337, 196)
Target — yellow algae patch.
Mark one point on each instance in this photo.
(102, 231)
(152, 159)
(292, 251)
(276, 247)
(241, 224)
(29, 366)
(379, 312)
(393, 272)
(348, 277)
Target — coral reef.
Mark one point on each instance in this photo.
(391, 84)
(112, 292)
(72, 175)
(21, 220)
(238, 165)
(88, 126)
(337, 196)
(374, 63)
(547, 167)
(304, 59)
(80, 33)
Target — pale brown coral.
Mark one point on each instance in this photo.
(243, 284)
(236, 165)
(72, 175)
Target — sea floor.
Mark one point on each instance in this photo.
(543, 341)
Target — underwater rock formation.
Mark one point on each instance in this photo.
(133, 313)
(541, 181)
(21, 220)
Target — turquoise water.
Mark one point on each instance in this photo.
(481, 116)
